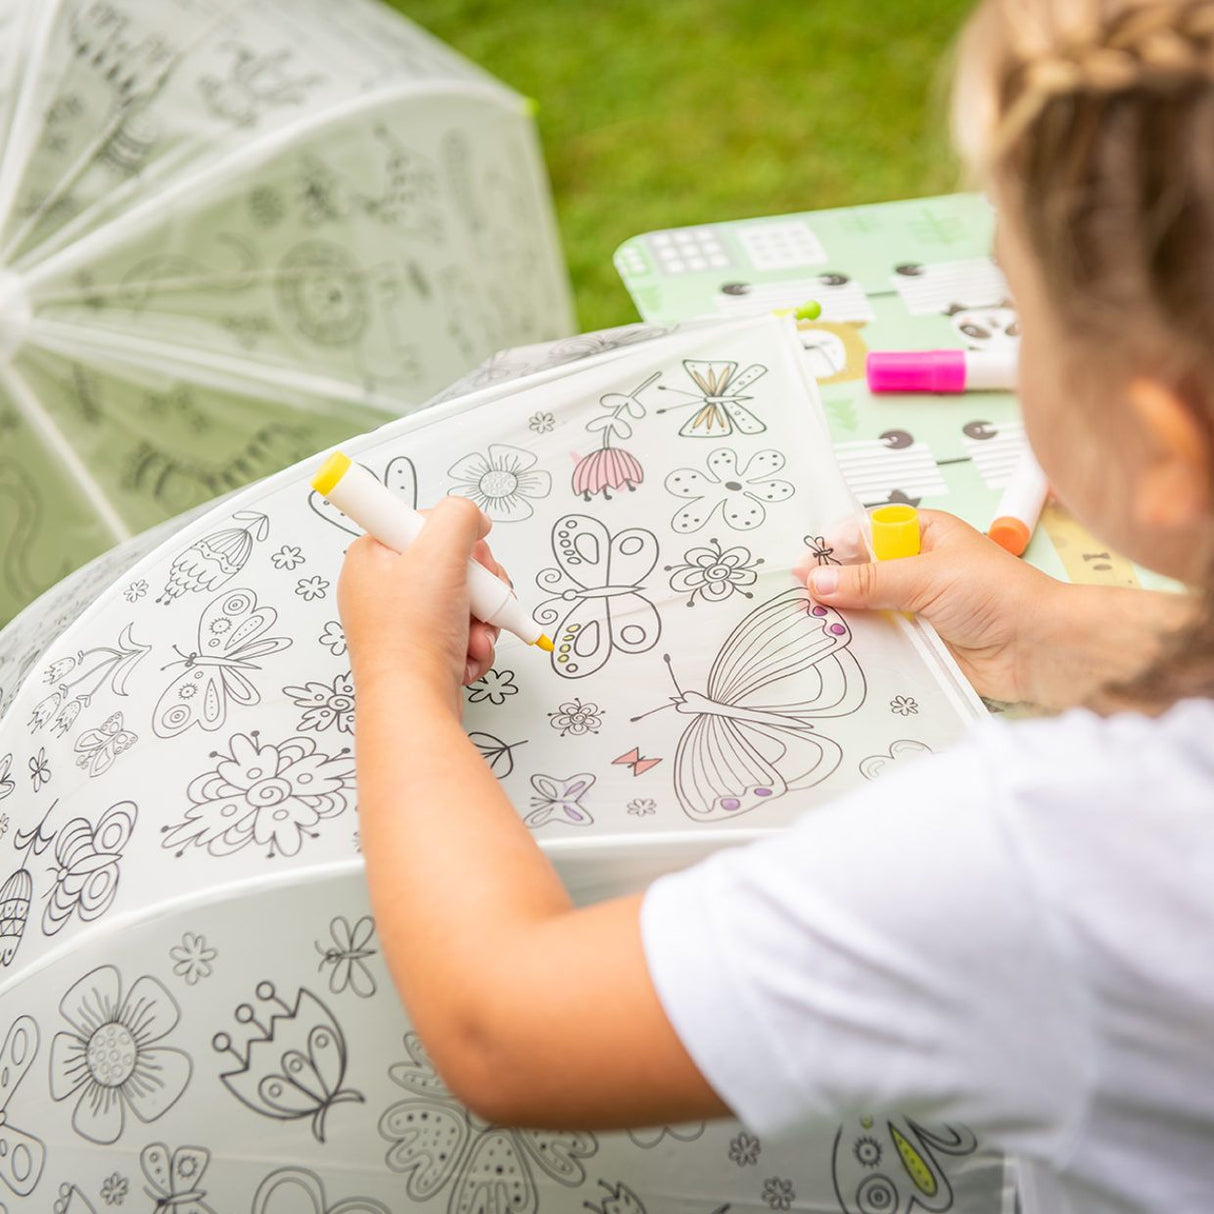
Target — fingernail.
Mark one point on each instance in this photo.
(469, 671)
(823, 581)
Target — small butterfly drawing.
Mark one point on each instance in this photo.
(752, 736)
(172, 1178)
(435, 1142)
(719, 397)
(96, 749)
(23, 1156)
(400, 476)
(86, 866)
(231, 638)
(604, 609)
(347, 956)
(556, 800)
(633, 759)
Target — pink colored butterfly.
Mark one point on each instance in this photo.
(231, 637)
(633, 759)
(752, 738)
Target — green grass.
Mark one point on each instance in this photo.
(655, 114)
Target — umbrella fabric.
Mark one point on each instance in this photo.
(231, 234)
(191, 984)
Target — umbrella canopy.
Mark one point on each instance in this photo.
(192, 995)
(230, 234)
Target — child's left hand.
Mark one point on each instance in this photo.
(406, 615)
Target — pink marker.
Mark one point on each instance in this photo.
(941, 370)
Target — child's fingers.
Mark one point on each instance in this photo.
(481, 638)
(453, 528)
(909, 584)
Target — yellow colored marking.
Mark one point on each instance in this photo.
(919, 1172)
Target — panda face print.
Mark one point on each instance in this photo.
(990, 328)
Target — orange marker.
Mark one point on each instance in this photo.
(1020, 506)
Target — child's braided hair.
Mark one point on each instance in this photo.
(1094, 121)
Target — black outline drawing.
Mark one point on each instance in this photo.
(904, 706)
(560, 801)
(730, 490)
(173, 1178)
(719, 395)
(745, 1149)
(320, 292)
(214, 560)
(7, 783)
(17, 892)
(111, 1057)
(606, 571)
(39, 769)
(347, 956)
(780, 1193)
(574, 717)
(399, 475)
(872, 766)
(820, 549)
(257, 81)
(634, 759)
(914, 1179)
(495, 481)
(620, 1199)
(712, 575)
(86, 866)
(746, 727)
(495, 752)
(225, 817)
(72, 1201)
(301, 1182)
(96, 749)
(325, 706)
(294, 1066)
(435, 1143)
(496, 692)
(22, 1155)
(231, 635)
(192, 958)
(609, 467)
(78, 677)
(648, 1137)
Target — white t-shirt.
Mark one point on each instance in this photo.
(1017, 936)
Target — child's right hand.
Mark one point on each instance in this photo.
(1016, 633)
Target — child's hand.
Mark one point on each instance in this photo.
(406, 615)
(994, 611)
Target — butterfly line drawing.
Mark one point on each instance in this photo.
(400, 476)
(347, 956)
(22, 1156)
(604, 610)
(633, 759)
(96, 749)
(86, 866)
(17, 892)
(173, 1178)
(752, 737)
(556, 800)
(299, 1191)
(720, 387)
(231, 640)
(435, 1142)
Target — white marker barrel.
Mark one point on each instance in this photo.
(1020, 506)
(379, 512)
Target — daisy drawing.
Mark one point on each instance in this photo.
(502, 483)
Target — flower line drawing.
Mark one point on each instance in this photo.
(192, 958)
(574, 717)
(288, 557)
(135, 591)
(642, 806)
(714, 573)
(779, 1193)
(611, 467)
(40, 769)
(745, 1149)
(741, 492)
(114, 1189)
(502, 483)
(311, 588)
(542, 422)
(325, 706)
(334, 638)
(904, 706)
(494, 685)
(110, 1059)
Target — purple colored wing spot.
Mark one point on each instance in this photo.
(762, 792)
(819, 611)
(838, 629)
(730, 803)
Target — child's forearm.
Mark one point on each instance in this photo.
(1094, 636)
(434, 821)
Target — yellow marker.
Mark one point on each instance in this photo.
(379, 512)
(895, 532)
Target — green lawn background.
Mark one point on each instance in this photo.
(658, 114)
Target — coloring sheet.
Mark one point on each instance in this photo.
(192, 998)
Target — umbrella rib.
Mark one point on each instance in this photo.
(41, 422)
(246, 155)
(238, 375)
(17, 151)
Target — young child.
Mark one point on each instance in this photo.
(1018, 935)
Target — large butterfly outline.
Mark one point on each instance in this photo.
(752, 737)
(231, 638)
(604, 610)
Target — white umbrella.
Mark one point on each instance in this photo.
(192, 996)
(232, 233)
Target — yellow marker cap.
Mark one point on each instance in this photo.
(895, 532)
(334, 469)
